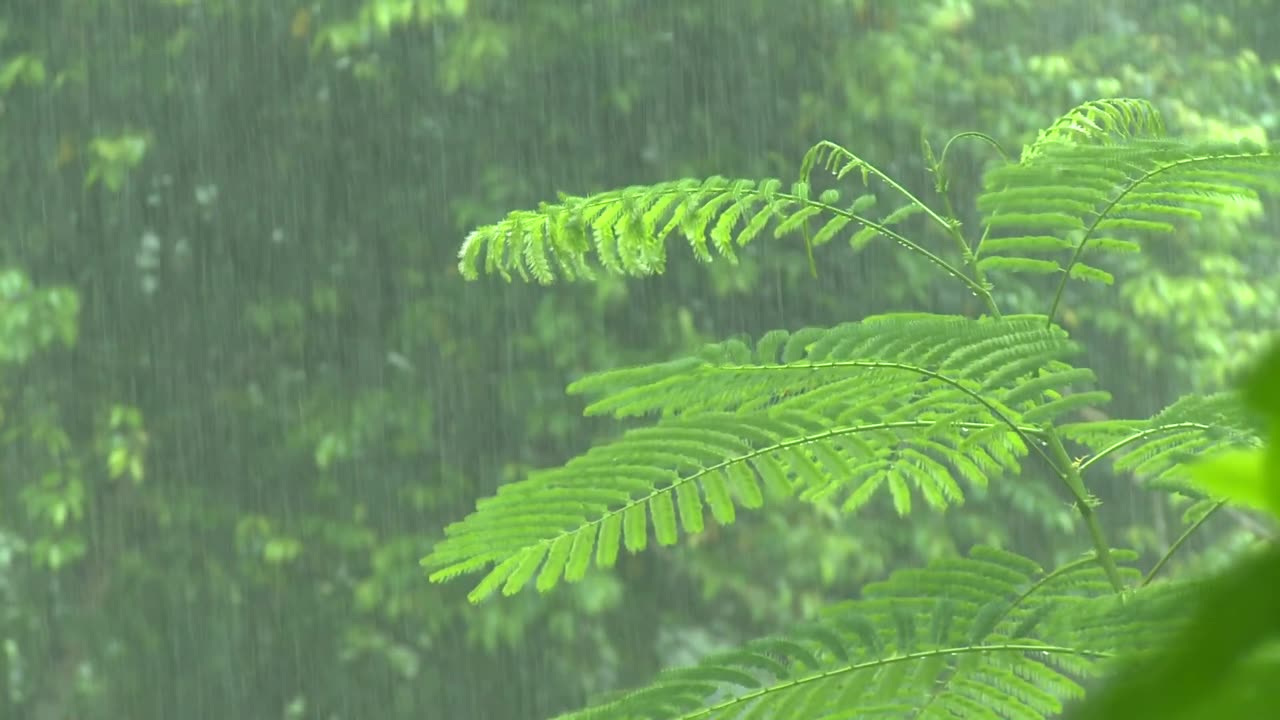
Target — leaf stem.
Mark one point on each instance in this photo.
(784, 684)
(941, 185)
(1084, 505)
(949, 224)
(1164, 559)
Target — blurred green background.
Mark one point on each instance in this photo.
(243, 387)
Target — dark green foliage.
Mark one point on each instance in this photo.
(263, 420)
(989, 635)
(1224, 664)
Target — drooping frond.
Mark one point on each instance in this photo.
(915, 405)
(965, 637)
(1061, 211)
(1159, 450)
(625, 231)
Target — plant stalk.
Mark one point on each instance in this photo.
(1070, 474)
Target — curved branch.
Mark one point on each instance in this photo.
(1164, 559)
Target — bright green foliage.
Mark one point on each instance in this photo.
(1158, 450)
(902, 403)
(821, 367)
(627, 229)
(1073, 199)
(1101, 178)
(1099, 122)
(915, 403)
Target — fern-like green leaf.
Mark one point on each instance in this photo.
(1103, 176)
(1159, 450)
(1100, 122)
(912, 406)
(989, 635)
(1071, 201)
(626, 230)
